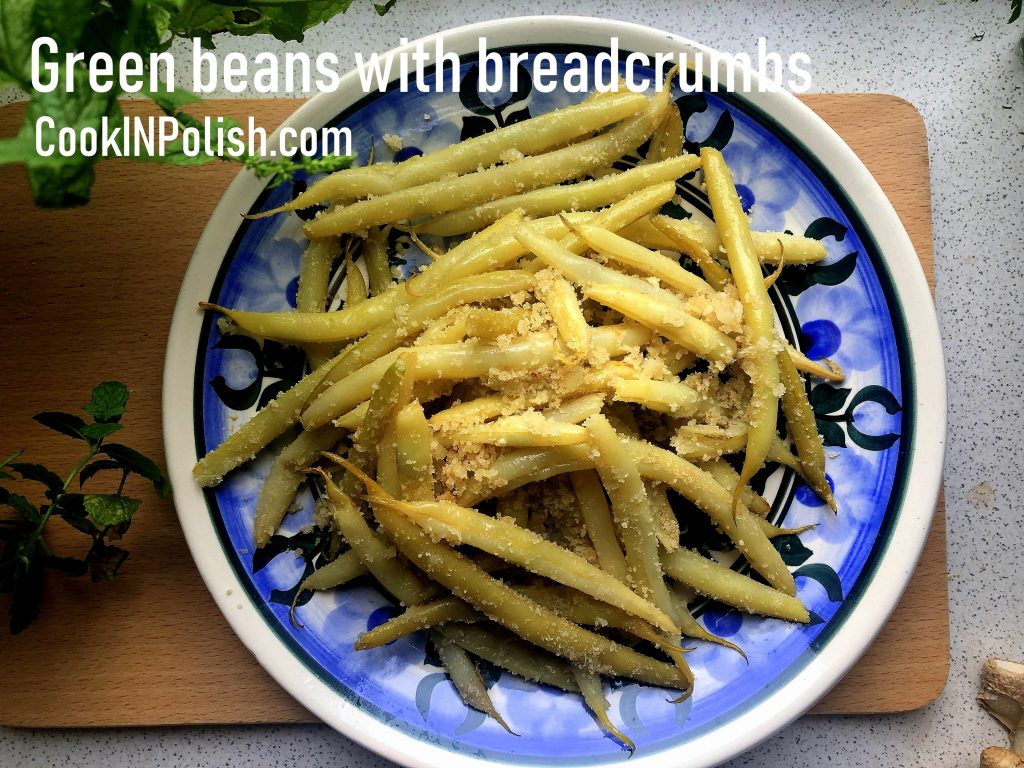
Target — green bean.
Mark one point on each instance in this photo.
(500, 603)
(826, 369)
(355, 283)
(461, 525)
(466, 677)
(336, 573)
(311, 295)
(667, 140)
(704, 491)
(270, 422)
(758, 314)
(691, 627)
(529, 663)
(375, 256)
(515, 468)
(529, 137)
(623, 251)
(598, 521)
(368, 438)
(417, 617)
(489, 184)
(771, 247)
(583, 196)
(729, 478)
(716, 275)
(671, 397)
(593, 696)
(803, 429)
(714, 580)
(772, 531)
(373, 549)
(285, 477)
(415, 463)
(632, 512)
(308, 327)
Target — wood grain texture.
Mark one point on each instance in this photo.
(88, 294)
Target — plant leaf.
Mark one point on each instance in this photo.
(72, 510)
(63, 20)
(28, 590)
(99, 465)
(287, 21)
(40, 474)
(135, 462)
(17, 32)
(108, 402)
(109, 509)
(105, 561)
(100, 430)
(1015, 7)
(65, 423)
(19, 504)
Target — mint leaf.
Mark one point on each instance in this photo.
(96, 432)
(28, 588)
(40, 474)
(287, 21)
(97, 466)
(105, 561)
(17, 32)
(65, 423)
(63, 20)
(109, 509)
(135, 462)
(108, 402)
(19, 504)
(172, 102)
(72, 510)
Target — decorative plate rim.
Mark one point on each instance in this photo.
(892, 568)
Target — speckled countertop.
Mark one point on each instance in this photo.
(969, 90)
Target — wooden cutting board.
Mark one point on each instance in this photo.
(88, 294)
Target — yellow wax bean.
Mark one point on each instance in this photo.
(758, 315)
(529, 136)
(714, 580)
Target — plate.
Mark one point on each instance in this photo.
(867, 307)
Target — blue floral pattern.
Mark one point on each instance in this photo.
(839, 309)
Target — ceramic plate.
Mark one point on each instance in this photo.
(867, 307)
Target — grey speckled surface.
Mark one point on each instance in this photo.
(969, 92)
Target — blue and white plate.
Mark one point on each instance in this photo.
(867, 307)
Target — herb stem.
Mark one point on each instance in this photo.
(45, 518)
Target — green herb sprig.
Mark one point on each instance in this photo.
(117, 27)
(104, 517)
